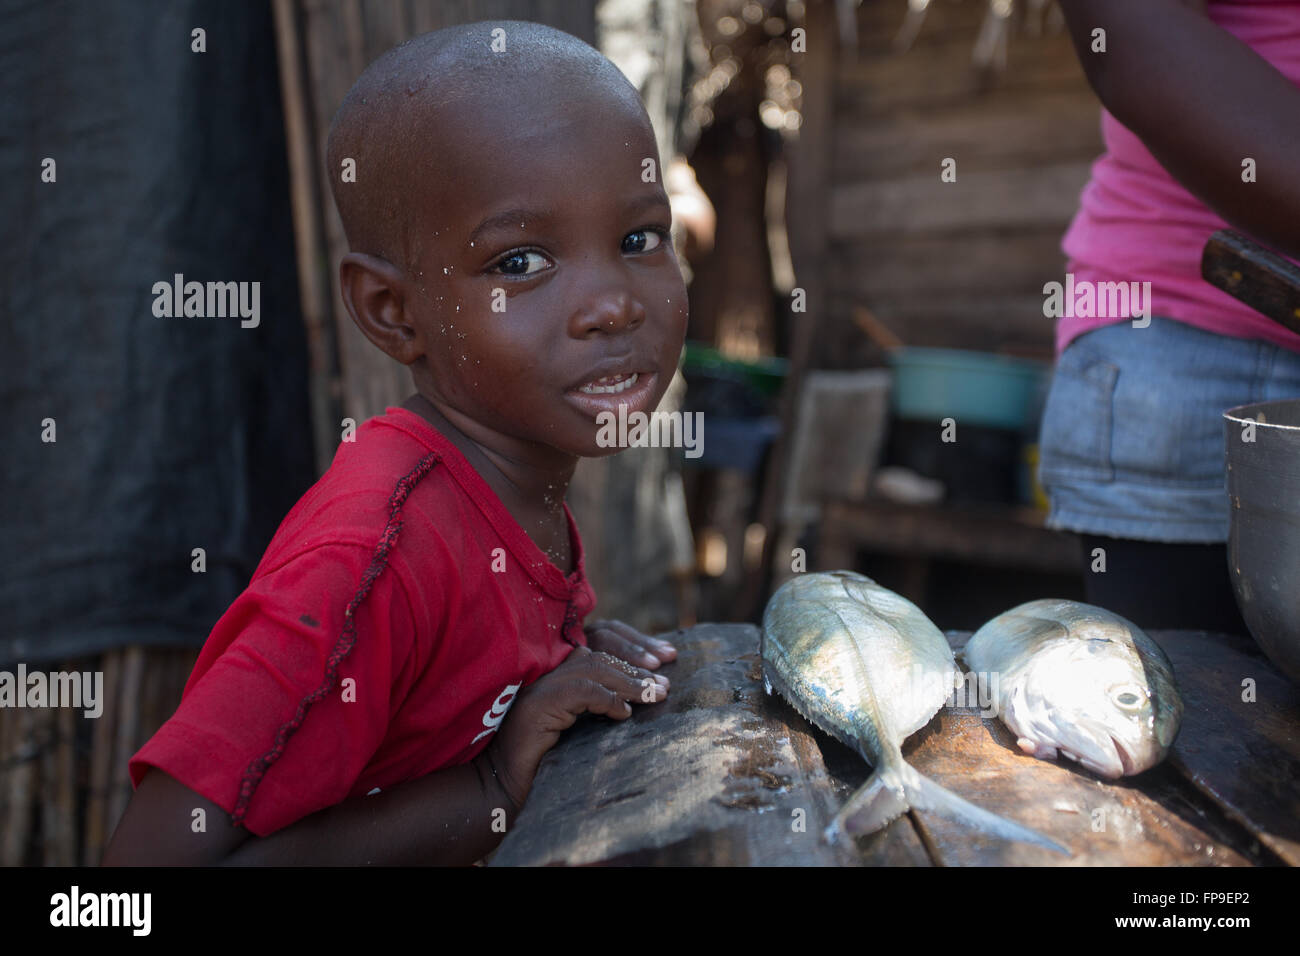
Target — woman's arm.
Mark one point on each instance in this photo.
(1202, 102)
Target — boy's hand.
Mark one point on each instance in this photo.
(627, 643)
(587, 682)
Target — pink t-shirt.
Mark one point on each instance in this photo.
(1136, 223)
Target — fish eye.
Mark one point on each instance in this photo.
(1128, 696)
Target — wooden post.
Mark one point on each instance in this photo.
(101, 762)
(128, 726)
(806, 215)
(313, 258)
(16, 829)
(58, 786)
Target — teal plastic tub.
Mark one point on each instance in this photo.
(974, 388)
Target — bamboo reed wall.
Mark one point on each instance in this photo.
(63, 779)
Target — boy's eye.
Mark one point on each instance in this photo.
(522, 263)
(643, 240)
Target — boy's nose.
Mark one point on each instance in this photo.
(609, 312)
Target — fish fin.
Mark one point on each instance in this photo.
(877, 802)
(925, 794)
(1036, 749)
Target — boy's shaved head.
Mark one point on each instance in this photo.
(510, 237)
(400, 120)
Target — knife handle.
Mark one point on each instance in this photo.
(1262, 279)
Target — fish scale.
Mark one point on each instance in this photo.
(867, 667)
(807, 714)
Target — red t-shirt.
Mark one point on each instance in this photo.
(466, 611)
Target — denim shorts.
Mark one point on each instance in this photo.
(1132, 442)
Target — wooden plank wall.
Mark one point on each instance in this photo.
(951, 264)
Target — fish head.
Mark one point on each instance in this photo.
(1092, 701)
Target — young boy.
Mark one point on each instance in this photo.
(351, 706)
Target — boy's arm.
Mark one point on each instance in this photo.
(445, 817)
(1202, 102)
(442, 818)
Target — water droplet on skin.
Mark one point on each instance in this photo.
(471, 243)
(446, 271)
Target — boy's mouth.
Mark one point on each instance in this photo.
(609, 385)
(607, 393)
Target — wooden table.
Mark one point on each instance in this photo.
(720, 773)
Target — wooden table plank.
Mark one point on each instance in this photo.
(1243, 755)
(1101, 823)
(713, 775)
(716, 774)
(1156, 818)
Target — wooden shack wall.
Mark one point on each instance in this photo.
(957, 264)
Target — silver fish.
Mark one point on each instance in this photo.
(866, 666)
(1080, 681)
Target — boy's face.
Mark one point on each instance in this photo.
(546, 289)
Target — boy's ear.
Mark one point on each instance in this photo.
(374, 292)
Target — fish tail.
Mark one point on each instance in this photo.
(924, 794)
(897, 787)
(878, 801)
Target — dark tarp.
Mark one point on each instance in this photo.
(172, 433)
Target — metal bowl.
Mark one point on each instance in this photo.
(1263, 458)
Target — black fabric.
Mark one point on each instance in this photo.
(172, 433)
(1164, 586)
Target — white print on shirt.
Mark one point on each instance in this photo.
(497, 712)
